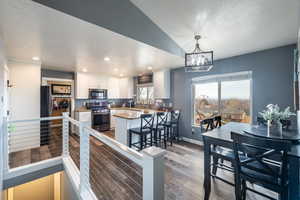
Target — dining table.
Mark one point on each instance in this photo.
(222, 137)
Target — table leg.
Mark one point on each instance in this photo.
(294, 178)
(207, 175)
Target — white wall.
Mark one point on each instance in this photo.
(24, 101)
(2, 110)
(67, 190)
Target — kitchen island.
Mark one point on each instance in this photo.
(125, 120)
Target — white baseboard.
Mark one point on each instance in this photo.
(198, 142)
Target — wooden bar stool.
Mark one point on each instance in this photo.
(143, 132)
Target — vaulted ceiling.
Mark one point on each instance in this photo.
(229, 28)
(71, 35)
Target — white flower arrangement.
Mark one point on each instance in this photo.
(273, 113)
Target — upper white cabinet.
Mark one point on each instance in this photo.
(161, 82)
(126, 88)
(113, 88)
(82, 86)
(117, 88)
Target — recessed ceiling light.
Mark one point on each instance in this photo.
(121, 75)
(84, 69)
(107, 59)
(35, 58)
(116, 69)
(149, 68)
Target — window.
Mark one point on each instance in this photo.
(145, 95)
(228, 96)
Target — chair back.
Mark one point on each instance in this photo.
(261, 155)
(209, 122)
(217, 121)
(175, 115)
(161, 118)
(147, 122)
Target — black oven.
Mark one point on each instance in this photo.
(97, 94)
(101, 121)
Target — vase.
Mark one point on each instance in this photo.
(274, 128)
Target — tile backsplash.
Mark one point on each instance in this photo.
(113, 102)
(162, 103)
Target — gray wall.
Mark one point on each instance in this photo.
(68, 192)
(272, 74)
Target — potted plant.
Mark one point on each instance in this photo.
(274, 117)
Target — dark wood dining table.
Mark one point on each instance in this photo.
(221, 137)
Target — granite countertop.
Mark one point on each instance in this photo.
(145, 110)
(129, 116)
(82, 109)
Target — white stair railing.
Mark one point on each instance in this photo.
(150, 159)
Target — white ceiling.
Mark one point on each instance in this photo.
(69, 44)
(66, 43)
(229, 27)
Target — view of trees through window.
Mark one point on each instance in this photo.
(231, 99)
(145, 95)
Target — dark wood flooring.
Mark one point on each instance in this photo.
(114, 177)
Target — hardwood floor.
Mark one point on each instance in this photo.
(52, 150)
(114, 177)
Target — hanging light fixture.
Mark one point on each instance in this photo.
(198, 60)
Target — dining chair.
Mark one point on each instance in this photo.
(208, 122)
(219, 154)
(145, 129)
(160, 131)
(265, 164)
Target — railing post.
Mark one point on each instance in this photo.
(153, 173)
(65, 135)
(84, 160)
(5, 146)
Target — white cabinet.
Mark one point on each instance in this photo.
(161, 82)
(82, 86)
(85, 81)
(113, 88)
(126, 88)
(112, 118)
(117, 88)
(83, 117)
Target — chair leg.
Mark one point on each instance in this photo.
(215, 165)
(177, 132)
(284, 194)
(244, 190)
(155, 138)
(165, 139)
(170, 136)
(151, 138)
(237, 187)
(141, 142)
(130, 139)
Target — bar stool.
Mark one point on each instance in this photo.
(143, 132)
(172, 126)
(160, 131)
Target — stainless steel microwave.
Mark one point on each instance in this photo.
(97, 94)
